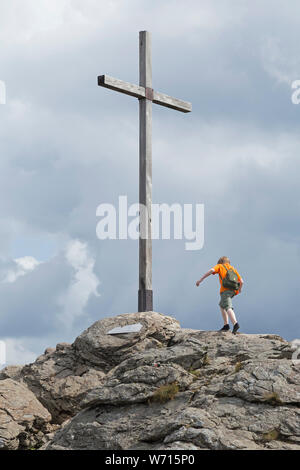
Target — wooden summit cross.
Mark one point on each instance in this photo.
(146, 96)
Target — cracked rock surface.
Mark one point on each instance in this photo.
(161, 388)
(233, 392)
(23, 419)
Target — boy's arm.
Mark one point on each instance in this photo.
(211, 271)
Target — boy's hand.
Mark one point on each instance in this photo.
(211, 271)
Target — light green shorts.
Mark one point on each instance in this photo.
(226, 299)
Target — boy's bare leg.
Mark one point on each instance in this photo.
(224, 315)
(231, 315)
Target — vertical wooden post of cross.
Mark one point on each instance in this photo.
(145, 295)
(146, 96)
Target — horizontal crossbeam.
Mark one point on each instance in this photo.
(141, 92)
(122, 87)
(169, 102)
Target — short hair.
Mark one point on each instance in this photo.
(223, 260)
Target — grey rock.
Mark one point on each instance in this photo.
(235, 392)
(23, 420)
(137, 378)
(269, 381)
(138, 385)
(49, 351)
(61, 378)
(97, 347)
(165, 388)
(60, 381)
(11, 372)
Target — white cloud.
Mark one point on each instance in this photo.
(278, 61)
(21, 20)
(219, 150)
(195, 19)
(77, 145)
(17, 353)
(21, 267)
(84, 283)
(28, 21)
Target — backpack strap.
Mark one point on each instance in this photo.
(221, 278)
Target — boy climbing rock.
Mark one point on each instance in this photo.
(231, 285)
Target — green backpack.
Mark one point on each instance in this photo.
(230, 281)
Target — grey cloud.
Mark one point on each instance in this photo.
(68, 145)
(29, 305)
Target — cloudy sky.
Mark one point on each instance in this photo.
(68, 146)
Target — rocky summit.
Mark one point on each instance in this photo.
(158, 386)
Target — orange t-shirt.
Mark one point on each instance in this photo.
(219, 269)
